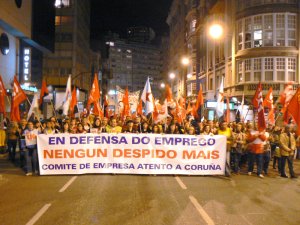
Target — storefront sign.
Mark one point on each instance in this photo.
(27, 64)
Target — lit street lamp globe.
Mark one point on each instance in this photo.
(185, 61)
(216, 31)
(162, 85)
(172, 75)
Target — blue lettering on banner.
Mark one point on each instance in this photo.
(113, 166)
(56, 140)
(146, 166)
(202, 167)
(184, 141)
(59, 167)
(74, 140)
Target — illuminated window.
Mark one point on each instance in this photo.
(63, 20)
(62, 3)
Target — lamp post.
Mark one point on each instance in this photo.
(185, 61)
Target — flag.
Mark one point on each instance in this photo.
(34, 108)
(67, 98)
(97, 109)
(94, 93)
(199, 104)
(284, 99)
(18, 96)
(3, 94)
(241, 113)
(126, 107)
(294, 109)
(147, 98)
(169, 96)
(139, 109)
(73, 103)
(162, 113)
(257, 102)
(44, 92)
(220, 100)
(227, 118)
(268, 103)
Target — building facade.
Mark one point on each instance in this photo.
(26, 34)
(177, 45)
(260, 43)
(72, 55)
(131, 63)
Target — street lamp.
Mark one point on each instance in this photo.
(162, 85)
(185, 61)
(172, 76)
(216, 31)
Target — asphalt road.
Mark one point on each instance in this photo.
(132, 199)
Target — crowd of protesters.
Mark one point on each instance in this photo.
(246, 147)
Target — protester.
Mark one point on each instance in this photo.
(12, 139)
(238, 146)
(287, 145)
(255, 141)
(31, 145)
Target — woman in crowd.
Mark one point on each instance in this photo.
(12, 139)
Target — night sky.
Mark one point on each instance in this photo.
(117, 15)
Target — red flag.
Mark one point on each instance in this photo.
(18, 97)
(126, 109)
(257, 102)
(268, 103)
(200, 99)
(18, 94)
(169, 94)
(73, 102)
(3, 94)
(97, 109)
(106, 102)
(294, 109)
(139, 109)
(94, 93)
(227, 118)
(44, 92)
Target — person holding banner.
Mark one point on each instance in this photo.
(80, 129)
(104, 124)
(113, 128)
(31, 145)
(65, 128)
(129, 127)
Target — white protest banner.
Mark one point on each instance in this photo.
(131, 154)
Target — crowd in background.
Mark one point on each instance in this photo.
(246, 146)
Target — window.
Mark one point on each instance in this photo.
(248, 33)
(257, 76)
(280, 75)
(291, 63)
(62, 3)
(210, 85)
(269, 68)
(257, 64)
(248, 70)
(268, 30)
(240, 72)
(291, 76)
(276, 29)
(280, 30)
(63, 20)
(280, 63)
(291, 30)
(240, 34)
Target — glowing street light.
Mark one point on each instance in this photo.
(172, 76)
(189, 76)
(185, 61)
(162, 85)
(215, 31)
